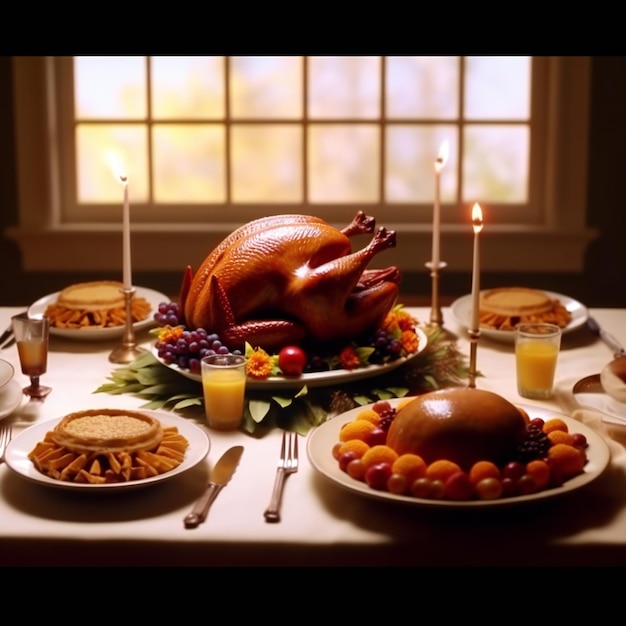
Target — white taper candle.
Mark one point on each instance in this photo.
(477, 222)
(128, 281)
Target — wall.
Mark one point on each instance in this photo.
(599, 285)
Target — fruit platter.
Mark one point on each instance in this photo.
(558, 455)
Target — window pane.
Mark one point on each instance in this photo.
(495, 164)
(344, 163)
(497, 88)
(97, 182)
(189, 163)
(191, 87)
(424, 87)
(344, 87)
(267, 163)
(411, 154)
(110, 87)
(266, 87)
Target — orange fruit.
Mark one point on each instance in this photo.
(359, 429)
(560, 436)
(379, 454)
(441, 469)
(540, 471)
(370, 415)
(566, 460)
(412, 466)
(554, 423)
(357, 446)
(483, 469)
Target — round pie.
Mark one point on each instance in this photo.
(515, 302)
(105, 431)
(92, 296)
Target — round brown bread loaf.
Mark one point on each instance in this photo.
(108, 430)
(464, 425)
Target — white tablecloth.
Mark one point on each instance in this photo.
(322, 524)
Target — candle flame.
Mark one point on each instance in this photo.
(443, 155)
(477, 217)
(117, 167)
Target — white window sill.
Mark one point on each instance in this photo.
(162, 249)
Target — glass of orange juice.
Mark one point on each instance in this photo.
(537, 348)
(224, 386)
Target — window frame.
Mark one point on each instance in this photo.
(556, 233)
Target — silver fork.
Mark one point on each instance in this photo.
(5, 437)
(287, 464)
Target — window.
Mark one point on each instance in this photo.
(212, 142)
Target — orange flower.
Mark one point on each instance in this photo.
(398, 320)
(405, 321)
(259, 364)
(409, 341)
(170, 334)
(390, 324)
(349, 359)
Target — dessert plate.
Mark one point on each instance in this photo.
(323, 438)
(98, 334)
(10, 398)
(16, 455)
(461, 310)
(316, 379)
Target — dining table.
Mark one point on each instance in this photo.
(322, 523)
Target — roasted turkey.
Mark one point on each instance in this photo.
(291, 279)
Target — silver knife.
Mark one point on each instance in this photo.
(609, 340)
(6, 334)
(222, 473)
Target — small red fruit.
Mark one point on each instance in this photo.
(458, 486)
(291, 360)
(376, 437)
(377, 476)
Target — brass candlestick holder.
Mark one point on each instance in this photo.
(436, 318)
(128, 351)
(473, 372)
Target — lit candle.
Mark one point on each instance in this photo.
(477, 222)
(439, 163)
(119, 173)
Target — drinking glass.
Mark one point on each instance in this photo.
(224, 386)
(31, 336)
(537, 348)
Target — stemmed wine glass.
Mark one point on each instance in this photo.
(31, 336)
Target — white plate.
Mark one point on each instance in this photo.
(10, 398)
(98, 334)
(6, 373)
(16, 455)
(323, 438)
(462, 310)
(613, 411)
(316, 379)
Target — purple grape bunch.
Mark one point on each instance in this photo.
(188, 349)
(167, 314)
(386, 347)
